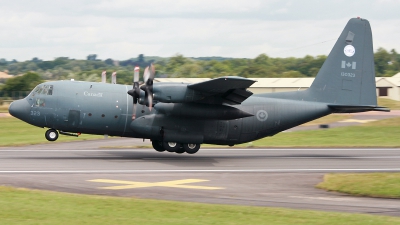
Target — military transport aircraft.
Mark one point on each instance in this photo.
(219, 111)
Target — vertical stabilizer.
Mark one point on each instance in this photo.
(347, 77)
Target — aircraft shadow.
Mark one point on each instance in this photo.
(185, 160)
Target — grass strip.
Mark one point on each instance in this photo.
(22, 206)
(328, 119)
(14, 132)
(389, 103)
(384, 185)
(382, 133)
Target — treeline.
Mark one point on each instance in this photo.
(387, 63)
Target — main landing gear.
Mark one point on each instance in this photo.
(178, 148)
(51, 135)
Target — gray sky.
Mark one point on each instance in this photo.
(122, 29)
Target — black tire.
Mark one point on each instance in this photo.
(158, 145)
(191, 148)
(51, 135)
(171, 146)
(180, 150)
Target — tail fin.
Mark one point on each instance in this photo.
(347, 77)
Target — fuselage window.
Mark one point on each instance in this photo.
(50, 92)
(40, 102)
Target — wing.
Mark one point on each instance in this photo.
(230, 90)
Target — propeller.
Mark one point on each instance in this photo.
(135, 91)
(148, 77)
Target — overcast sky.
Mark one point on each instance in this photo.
(122, 29)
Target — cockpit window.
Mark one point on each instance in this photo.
(43, 90)
(50, 90)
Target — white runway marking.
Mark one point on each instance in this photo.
(205, 171)
(338, 199)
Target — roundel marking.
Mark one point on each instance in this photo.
(262, 115)
(349, 50)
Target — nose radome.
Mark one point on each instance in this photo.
(20, 109)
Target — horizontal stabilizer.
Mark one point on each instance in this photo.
(357, 108)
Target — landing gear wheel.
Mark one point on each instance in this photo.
(171, 146)
(158, 145)
(180, 150)
(51, 135)
(191, 148)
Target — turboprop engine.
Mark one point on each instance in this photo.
(172, 93)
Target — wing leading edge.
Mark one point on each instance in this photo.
(230, 90)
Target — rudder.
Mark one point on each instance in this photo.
(347, 76)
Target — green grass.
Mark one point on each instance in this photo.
(4, 108)
(386, 185)
(382, 133)
(21, 206)
(14, 132)
(328, 119)
(389, 103)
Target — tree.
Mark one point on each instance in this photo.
(109, 62)
(3, 62)
(22, 83)
(91, 57)
(175, 62)
(140, 58)
(382, 59)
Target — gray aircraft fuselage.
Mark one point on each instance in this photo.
(101, 108)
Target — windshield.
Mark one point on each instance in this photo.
(42, 90)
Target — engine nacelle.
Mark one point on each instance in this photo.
(175, 93)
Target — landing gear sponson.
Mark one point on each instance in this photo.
(178, 148)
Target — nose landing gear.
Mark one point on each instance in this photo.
(51, 135)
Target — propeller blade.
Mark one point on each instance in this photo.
(136, 74)
(150, 100)
(152, 71)
(149, 86)
(134, 111)
(135, 91)
(146, 74)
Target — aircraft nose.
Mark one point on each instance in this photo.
(20, 109)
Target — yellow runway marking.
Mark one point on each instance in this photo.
(356, 121)
(173, 184)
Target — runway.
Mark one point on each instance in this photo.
(260, 177)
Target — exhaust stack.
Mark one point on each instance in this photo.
(114, 78)
(103, 77)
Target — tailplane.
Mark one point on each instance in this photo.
(346, 80)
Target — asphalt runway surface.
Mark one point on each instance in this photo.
(259, 177)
